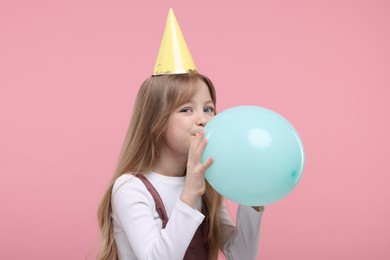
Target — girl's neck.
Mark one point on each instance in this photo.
(171, 165)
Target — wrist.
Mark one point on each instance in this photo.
(189, 200)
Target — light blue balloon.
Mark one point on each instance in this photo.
(258, 155)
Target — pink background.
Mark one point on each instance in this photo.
(69, 72)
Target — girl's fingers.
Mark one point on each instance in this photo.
(197, 144)
(207, 164)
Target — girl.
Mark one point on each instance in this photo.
(159, 205)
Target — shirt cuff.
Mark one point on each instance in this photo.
(187, 210)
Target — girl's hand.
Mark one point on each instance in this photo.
(195, 184)
(258, 208)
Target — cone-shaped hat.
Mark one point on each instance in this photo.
(173, 56)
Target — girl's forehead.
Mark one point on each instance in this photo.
(202, 95)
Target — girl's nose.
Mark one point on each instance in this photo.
(201, 120)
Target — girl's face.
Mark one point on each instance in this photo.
(188, 119)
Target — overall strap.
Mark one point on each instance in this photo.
(198, 248)
(162, 213)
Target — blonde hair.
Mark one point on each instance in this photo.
(156, 99)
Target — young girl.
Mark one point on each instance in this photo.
(164, 143)
(159, 205)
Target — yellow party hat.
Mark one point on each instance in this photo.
(173, 56)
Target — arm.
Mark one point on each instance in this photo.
(134, 209)
(241, 242)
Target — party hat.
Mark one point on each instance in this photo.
(173, 56)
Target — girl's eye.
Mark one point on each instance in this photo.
(186, 109)
(209, 109)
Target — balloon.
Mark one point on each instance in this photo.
(258, 155)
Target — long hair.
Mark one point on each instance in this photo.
(141, 150)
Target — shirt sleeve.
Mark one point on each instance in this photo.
(134, 209)
(241, 241)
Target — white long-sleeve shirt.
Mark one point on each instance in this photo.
(138, 228)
